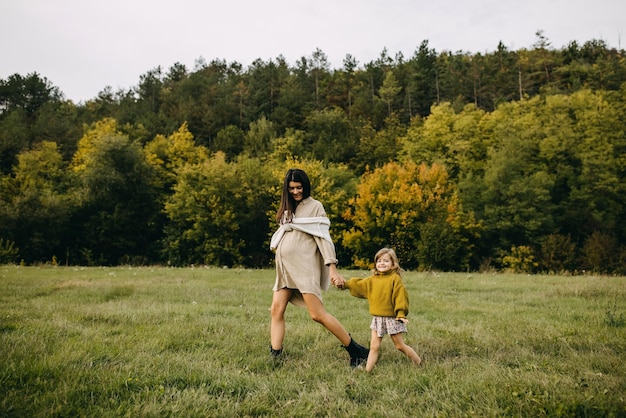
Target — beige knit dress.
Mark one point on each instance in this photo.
(302, 259)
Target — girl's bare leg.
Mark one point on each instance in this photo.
(277, 325)
(319, 314)
(374, 349)
(398, 341)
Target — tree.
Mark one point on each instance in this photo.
(557, 253)
(58, 122)
(149, 89)
(176, 73)
(395, 205)
(423, 86)
(389, 91)
(297, 97)
(206, 100)
(600, 253)
(504, 75)
(448, 138)
(319, 69)
(329, 136)
(514, 196)
(26, 93)
(266, 81)
(229, 140)
(337, 90)
(167, 155)
(253, 193)
(260, 136)
(377, 148)
(14, 138)
(21, 99)
(216, 214)
(595, 167)
(118, 206)
(36, 204)
(542, 47)
(367, 106)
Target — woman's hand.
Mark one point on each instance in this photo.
(338, 282)
(335, 277)
(406, 321)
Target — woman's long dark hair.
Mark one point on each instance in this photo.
(287, 203)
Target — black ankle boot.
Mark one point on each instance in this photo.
(358, 353)
(275, 353)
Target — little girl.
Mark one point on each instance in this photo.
(388, 304)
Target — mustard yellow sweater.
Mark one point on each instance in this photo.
(385, 293)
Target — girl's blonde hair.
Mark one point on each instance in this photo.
(395, 264)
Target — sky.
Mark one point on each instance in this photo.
(83, 46)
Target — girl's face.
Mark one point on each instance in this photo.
(384, 263)
(295, 190)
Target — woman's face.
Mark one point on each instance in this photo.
(295, 190)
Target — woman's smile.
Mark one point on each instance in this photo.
(295, 190)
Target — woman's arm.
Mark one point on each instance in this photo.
(336, 278)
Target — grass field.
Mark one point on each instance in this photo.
(165, 342)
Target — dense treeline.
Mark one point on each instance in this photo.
(509, 159)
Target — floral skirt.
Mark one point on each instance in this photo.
(387, 325)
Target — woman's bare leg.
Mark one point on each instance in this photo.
(319, 314)
(374, 350)
(398, 341)
(280, 299)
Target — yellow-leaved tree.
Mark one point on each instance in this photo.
(169, 154)
(413, 209)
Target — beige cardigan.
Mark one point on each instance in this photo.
(316, 226)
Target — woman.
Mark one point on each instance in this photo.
(305, 264)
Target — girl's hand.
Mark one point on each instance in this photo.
(406, 321)
(339, 281)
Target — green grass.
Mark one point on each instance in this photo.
(160, 342)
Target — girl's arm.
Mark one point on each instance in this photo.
(357, 286)
(400, 299)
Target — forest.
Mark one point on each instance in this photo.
(507, 160)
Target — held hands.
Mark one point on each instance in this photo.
(338, 281)
(336, 278)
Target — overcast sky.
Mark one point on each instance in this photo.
(82, 46)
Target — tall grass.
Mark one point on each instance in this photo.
(155, 342)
